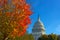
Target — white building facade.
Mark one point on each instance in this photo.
(38, 29)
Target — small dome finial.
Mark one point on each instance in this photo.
(38, 17)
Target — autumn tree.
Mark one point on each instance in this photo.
(14, 18)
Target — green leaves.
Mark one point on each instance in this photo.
(49, 37)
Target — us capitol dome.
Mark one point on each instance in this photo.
(38, 29)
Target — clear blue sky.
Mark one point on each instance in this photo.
(49, 11)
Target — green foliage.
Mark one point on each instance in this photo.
(49, 37)
(1, 36)
(53, 37)
(43, 37)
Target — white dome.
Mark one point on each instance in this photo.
(38, 29)
(39, 25)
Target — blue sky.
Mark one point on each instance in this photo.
(49, 11)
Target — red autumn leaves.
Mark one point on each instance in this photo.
(22, 12)
(3, 2)
(19, 15)
(18, 1)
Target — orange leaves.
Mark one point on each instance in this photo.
(18, 31)
(24, 14)
(5, 1)
(8, 14)
(0, 13)
(18, 2)
(26, 6)
(15, 1)
(21, 33)
(27, 12)
(18, 16)
(27, 20)
(22, 1)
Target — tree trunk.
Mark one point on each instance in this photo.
(5, 37)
